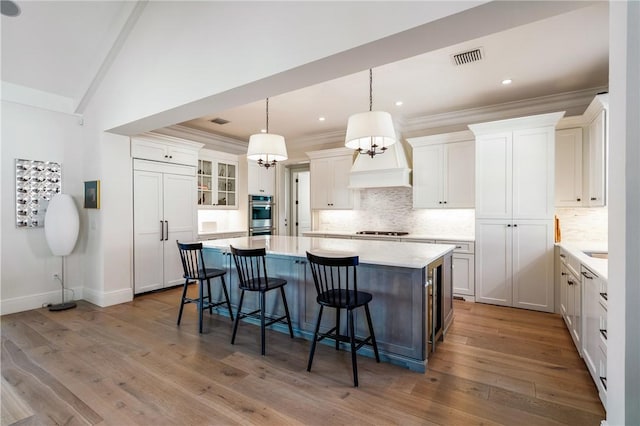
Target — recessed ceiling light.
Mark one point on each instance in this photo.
(321, 118)
(399, 103)
(507, 81)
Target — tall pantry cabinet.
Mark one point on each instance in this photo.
(514, 211)
(164, 210)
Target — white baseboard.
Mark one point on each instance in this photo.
(36, 301)
(110, 298)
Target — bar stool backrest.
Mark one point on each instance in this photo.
(192, 259)
(251, 266)
(335, 279)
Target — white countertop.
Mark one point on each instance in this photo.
(596, 265)
(410, 236)
(387, 253)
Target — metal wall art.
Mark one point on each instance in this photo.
(36, 183)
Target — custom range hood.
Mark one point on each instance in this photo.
(382, 171)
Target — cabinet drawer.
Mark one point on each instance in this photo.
(461, 247)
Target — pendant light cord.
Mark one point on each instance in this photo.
(370, 89)
(267, 115)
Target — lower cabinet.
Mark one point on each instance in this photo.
(514, 263)
(594, 343)
(571, 298)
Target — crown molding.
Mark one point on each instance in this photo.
(574, 103)
(210, 140)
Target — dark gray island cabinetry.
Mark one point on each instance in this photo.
(411, 285)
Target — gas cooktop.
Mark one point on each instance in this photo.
(389, 233)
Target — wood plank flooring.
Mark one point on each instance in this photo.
(131, 365)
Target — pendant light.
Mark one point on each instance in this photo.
(370, 132)
(266, 148)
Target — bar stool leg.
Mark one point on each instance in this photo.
(226, 296)
(337, 328)
(315, 339)
(286, 311)
(235, 324)
(262, 322)
(373, 337)
(200, 304)
(184, 293)
(352, 340)
(209, 299)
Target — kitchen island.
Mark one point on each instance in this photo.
(411, 285)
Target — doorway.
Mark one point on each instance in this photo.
(300, 199)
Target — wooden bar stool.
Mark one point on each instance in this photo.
(337, 287)
(252, 276)
(195, 269)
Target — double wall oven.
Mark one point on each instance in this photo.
(261, 221)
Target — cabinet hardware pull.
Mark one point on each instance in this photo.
(166, 235)
(604, 382)
(515, 225)
(458, 246)
(439, 202)
(562, 256)
(509, 225)
(570, 282)
(593, 198)
(578, 199)
(445, 202)
(605, 296)
(563, 273)
(161, 231)
(587, 275)
(604, 334)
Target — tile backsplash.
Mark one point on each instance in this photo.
(584, 224)
(391, 209)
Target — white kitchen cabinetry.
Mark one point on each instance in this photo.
(165, 149)
(571, 297)
(464, 271)
(514, 211)
(594, 345)
(330, 179)
(261, 180)
(217, 180)
(514, 263)
(444, 171)
(597, 160)
(568, 178)
(163, 211)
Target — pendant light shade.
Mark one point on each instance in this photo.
(266, 148)
(370, 132)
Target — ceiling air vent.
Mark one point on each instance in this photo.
(469, 56)
(219, 121)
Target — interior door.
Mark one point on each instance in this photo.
(302, 211)
(148, 233)
(179, 199)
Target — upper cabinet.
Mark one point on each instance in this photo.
(165, 149)
(330, 179)
(444, 170)
(569, 186)
(597, 157)
(261, 180)
(515, 167)
(217, 177)
(581, 157)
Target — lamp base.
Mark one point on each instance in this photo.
(62, 306)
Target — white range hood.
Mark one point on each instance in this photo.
(382, 171)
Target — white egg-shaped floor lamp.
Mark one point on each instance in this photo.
(61, 227)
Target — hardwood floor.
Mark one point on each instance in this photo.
(130, 364)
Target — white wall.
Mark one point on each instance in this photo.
(623, 353)
(27, 264)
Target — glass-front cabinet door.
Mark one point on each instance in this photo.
(217, 183)
(227, 184)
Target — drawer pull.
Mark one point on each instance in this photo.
(604, 334)
(604, 296)
(587, 276)
(604, 382)
(458, 247)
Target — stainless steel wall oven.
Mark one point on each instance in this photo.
(261, 221)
